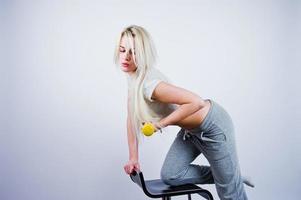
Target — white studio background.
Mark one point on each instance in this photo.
(63, 102)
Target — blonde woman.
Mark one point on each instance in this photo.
(205, 126)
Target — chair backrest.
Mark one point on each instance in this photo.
(137, 177)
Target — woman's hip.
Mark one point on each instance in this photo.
(217, 119)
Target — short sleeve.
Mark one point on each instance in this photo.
(149, 88)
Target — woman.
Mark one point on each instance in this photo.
(205, 126)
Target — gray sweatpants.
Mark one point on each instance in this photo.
(214, 137)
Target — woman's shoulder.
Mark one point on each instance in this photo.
(153, 78)
(156, 74)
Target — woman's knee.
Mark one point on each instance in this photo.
(169, 176)
(166, 175)
(168, 180)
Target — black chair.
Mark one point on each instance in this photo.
(158, 189)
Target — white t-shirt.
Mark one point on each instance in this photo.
(152, 79)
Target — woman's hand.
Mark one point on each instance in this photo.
(131, 165)
(158, 126)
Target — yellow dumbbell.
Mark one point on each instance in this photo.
(148, 129)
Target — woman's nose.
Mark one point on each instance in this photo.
(127, 56)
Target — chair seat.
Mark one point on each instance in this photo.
(159, 188)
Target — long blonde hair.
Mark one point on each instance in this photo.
(144, 56)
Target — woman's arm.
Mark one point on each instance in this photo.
(132, 141)
(133, 163)
(188, 102)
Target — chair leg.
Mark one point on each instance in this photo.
(189, 196)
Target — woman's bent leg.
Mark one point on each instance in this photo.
(177, 170)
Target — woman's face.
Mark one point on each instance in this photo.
(126, 57)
